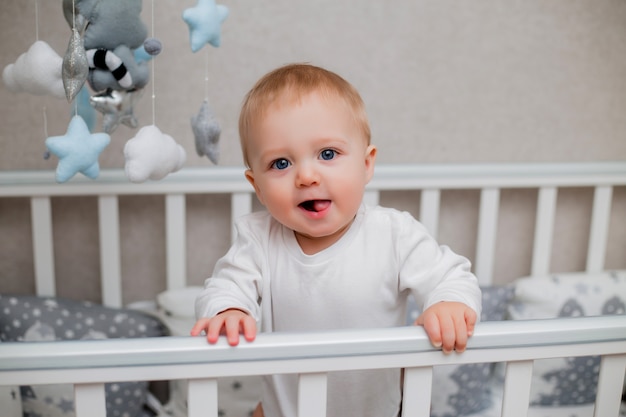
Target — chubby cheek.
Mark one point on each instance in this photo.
(349, 191)
(353, 199)
(275, 198)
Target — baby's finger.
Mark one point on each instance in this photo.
(433, 329)
(460, 329)
(470, 321)
(199, 327)
(214, 329)
(448, 333)
(248, 325)
(232, 327)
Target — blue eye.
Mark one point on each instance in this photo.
(281, 164)
(327, 154)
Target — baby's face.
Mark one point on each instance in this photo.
(309, 164)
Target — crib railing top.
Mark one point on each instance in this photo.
(229, 179)
(304, 352)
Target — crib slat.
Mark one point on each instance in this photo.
(544, 225)
(487, 227)
(175, 231)
(371, 197)
(110, 258)
(417, 392)
(610, 383)
(202, 398)
(312, 393)
(429, 210)
(517, 388)
(240, 204)
(89, 400)
(600, 219)
(41, 220)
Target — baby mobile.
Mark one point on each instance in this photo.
(108, 51)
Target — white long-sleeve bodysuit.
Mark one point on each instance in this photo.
(361, 281)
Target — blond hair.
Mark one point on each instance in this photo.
(296, 81)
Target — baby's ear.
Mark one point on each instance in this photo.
(250, 177)
(370, 161)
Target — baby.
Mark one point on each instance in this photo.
(318, 258)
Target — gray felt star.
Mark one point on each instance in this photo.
(117, 107)
(207, 132)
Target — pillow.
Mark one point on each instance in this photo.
(32, 318)
(179, 302)
(567, 381)
(460, 390)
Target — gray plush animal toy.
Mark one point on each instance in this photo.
(111, 30)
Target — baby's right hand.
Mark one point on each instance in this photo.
(230, 322)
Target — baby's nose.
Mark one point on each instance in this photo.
(307, 175)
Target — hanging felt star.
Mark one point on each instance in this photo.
(78, 150)
(205, 23)
(75, 66)
(117, 107)
(206, 131)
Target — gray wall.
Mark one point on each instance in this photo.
(444, 81)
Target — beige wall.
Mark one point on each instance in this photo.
(444, 81)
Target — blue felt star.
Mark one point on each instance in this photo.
(78, 150)
(205, 23)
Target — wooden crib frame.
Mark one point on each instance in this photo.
(89, 364)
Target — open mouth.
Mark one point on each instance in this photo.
(315, 205)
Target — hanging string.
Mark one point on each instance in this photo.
(45, 122)
(206, 75)
(46, 154)
(36, 20)
(153, 72)
(74, 28)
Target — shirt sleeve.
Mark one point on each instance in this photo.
(237, 278)
(433, 272)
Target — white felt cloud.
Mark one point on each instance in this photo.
(205, 23)
(78, 150)
(37, 71)
(152, 154)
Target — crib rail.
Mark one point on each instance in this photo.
(430, 180)
(89, 364)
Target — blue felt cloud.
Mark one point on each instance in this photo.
(78, 150)
(205, 23)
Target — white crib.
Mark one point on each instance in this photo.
(90, 364)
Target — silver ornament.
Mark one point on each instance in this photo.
(75, 66)
(117, 107)
(206, 131)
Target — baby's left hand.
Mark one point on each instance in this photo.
(448, 325)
